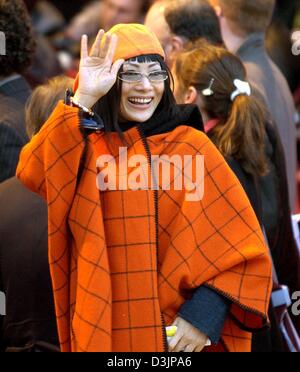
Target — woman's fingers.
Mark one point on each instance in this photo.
(190, 348)
(199, 349)
(112, 48)
(84, 47)
(174, 342)
(181, 346)
(175, 339)
(116, 66)
(97, 44)
(105, 47)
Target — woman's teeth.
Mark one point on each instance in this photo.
(140, 101)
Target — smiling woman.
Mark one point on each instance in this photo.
(125, 263)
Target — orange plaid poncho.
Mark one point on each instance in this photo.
(119, 274)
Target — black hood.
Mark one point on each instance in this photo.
(168, 120)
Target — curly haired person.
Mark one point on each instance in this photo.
(14, 90)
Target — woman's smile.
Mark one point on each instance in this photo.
(140, 102)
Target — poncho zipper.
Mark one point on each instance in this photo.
(148, 152)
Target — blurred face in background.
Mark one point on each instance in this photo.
(156, 22)
(120, 11)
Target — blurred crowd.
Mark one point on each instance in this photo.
(44, 44)
(58, 28)
(61, 26)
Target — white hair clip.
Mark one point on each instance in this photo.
(242, 87)
(208, 91)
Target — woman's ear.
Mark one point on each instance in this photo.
(177, 44)
(191, 96)
(173, 47)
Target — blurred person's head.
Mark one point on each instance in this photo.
(177, 22)
(20, 46)
(123, 11)
(241, 18)
(42, 102)
(206, 76)
(155, 21)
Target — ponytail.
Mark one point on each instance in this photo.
(242, 136)
(220, 78)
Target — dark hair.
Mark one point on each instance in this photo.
(193, 19)
(240, 132)
(16, 25)
(108, 106)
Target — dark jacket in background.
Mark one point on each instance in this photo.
(13, 96)
(269, 198)
(279, 231)
(266, 76)
(285, 252)
(29, 324)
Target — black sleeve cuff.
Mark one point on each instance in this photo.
(207, 311)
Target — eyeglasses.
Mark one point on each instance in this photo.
(136, 77)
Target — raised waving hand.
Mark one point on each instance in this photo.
(97, 72)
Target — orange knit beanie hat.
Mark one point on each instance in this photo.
(134, 40)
